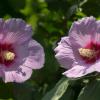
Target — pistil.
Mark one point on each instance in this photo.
(88, 53)
(8, 56)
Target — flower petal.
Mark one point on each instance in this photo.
(20, 75)
(2, 22)
(78, 71)
(96, 35)
(35, 60)
(1, 29)
(96, 66)
(21, 51)
(17, 31)
(82, 31)
(64, 53)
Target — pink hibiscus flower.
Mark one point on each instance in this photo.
(19, 54)
(79, 52)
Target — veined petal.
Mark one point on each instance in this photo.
(20, 75)
(79, 71)
(36, 57)
(21, 51)
(2, 35)
(96, 36)
(96, 66)
(64, 53)
(17, 31)
(82, 31)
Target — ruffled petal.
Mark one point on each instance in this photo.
(2, 35)
(96, 36)
(20, 75)
(1, 72)
(82, 31)
(17, 31)
(35, 60)
(64, 53)
(79, 71)
(96, 66)
(2, 22)
(21, 51)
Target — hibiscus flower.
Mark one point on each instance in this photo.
(19, 53)
(79, 52)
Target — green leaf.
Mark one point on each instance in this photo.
(69, 94)
(72, 10)
(91, 91)
(33, 21)
(7, 99)
(72, 90)
(57, 91)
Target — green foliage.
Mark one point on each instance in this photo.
(91, 91)
(50, 20)
(23, 91)
(57, 92)
(6, 91)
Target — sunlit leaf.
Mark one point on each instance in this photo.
(91, 91)
(57, 91)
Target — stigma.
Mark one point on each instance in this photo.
(87, 53)
(8, 56)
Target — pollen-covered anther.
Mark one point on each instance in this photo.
(88, 53)
(8, 55)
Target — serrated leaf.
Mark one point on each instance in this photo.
(91, 91)
(57, 91)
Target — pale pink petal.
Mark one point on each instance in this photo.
(20, 75)
(96, 65)
(8, 77)
(64, 53)
(21, 51)
(79, 71)
(1, 72)
(35, 60)
(86, 25)
(96, 35)
(2, 35)
(2, 22)
(82, 31)
(17, 31)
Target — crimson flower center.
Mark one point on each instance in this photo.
(90, 53)
(7, 54)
